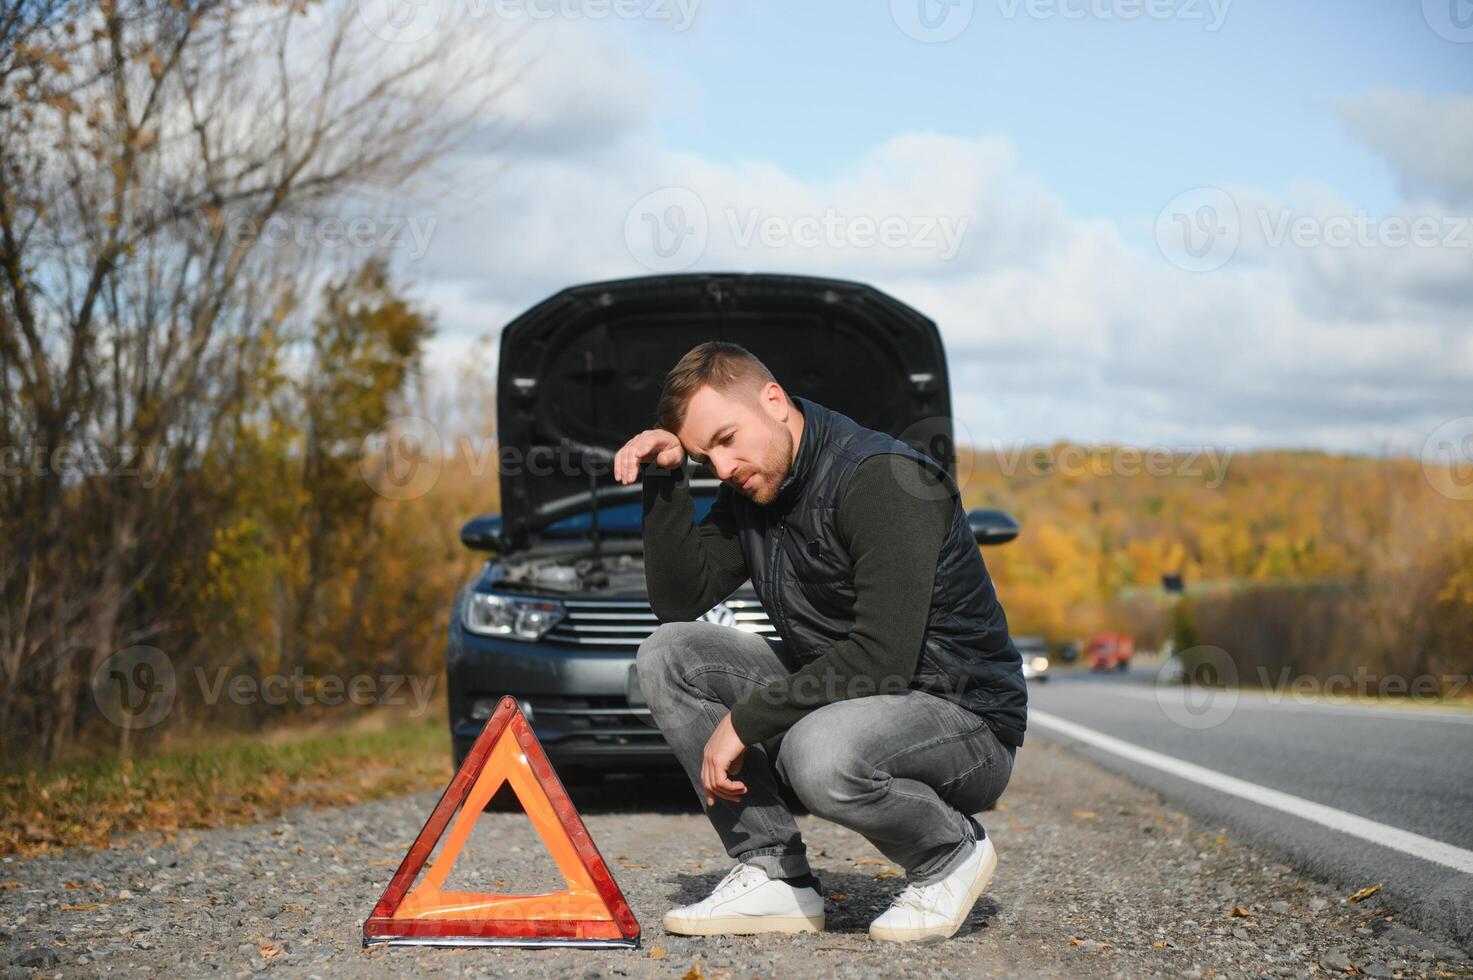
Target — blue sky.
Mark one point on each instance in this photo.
(1059, 137)
(1109, 112)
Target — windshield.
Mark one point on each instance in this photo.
(626, 519)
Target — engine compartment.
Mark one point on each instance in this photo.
(616, 573)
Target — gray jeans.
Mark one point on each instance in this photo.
(903, 770)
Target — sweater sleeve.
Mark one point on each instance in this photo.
(893, 536)
(688, 567)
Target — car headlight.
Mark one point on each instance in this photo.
(518, 617)
(1039, 664)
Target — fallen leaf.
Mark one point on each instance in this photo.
(888, 873)
(632, 865)
(694, 973)
(868, 861)
(1085, 814)
(837, 896)
(1366, 892)
(1159, 944)
(8, 885)
(74, 885)
(78, 908)
(270, 952)
(1240, 912)
(657, 952)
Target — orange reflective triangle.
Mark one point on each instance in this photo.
(590, 912)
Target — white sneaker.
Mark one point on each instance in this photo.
(746, 901)
(935, 911)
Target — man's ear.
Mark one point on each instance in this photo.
(774, 401)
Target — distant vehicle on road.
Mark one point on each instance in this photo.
(1034, 650)
(1111, 651)
(1069, 652)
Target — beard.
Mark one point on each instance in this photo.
(777, 462)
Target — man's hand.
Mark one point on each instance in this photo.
(656, 444)
(722, 759)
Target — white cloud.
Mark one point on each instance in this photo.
(1428, 141)
(1056, 327)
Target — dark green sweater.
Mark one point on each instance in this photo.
(893, 537)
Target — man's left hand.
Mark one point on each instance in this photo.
(722, 759)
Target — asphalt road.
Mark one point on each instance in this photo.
(1358, 795)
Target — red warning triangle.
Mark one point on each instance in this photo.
(590, 912)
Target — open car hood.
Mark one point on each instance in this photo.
(580, 374)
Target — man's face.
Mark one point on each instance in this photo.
(738, 436)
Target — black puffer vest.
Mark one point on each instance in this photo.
(805, 578)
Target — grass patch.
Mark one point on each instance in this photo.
(245, 779)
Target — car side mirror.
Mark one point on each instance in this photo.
(992, 526)
(483, 533)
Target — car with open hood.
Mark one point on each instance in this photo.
(556, 614)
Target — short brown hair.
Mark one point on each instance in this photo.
(717, 363)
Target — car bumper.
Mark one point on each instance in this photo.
(576, 699)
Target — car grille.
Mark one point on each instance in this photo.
(602, 719)
(626, 622)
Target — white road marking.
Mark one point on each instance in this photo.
(1371, 831)
(1259, 701)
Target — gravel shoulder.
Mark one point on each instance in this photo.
(1095, 875)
